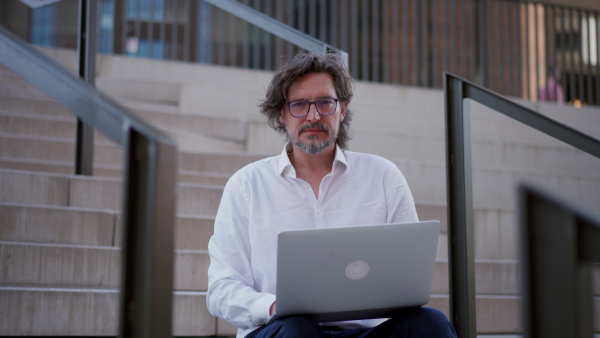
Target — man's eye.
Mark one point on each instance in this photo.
(298, 104)
(326, 103)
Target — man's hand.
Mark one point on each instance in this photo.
(272, 310)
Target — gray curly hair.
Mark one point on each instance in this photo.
(299, 66)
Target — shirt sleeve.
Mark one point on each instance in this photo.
(401, 205)
(231, 294)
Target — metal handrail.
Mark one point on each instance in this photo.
(559, 242)
(150, 160)
(277, 28)
(459, 183)
(86, 52)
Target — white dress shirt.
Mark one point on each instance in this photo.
(265, 198)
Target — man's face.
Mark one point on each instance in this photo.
(313, 133)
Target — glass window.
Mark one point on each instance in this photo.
(43, 30)
(105, 26)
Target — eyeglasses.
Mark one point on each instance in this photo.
(301, 108)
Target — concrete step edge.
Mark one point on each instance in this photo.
(57, 163)
(57, 207)
(108, 166)
(243, 154)
(68, 140)
(498, 168)
(104, 179)
(112, 212)
(93, 247)
(36, 116)
(86, 290)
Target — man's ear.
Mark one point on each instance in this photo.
(281, 118)
(343, 107)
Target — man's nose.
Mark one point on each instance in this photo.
(313, 114)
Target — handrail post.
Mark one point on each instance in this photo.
(459, 183)
(460, 209)
(559, 242)
(150, 161)
(86, 49)
(148, 240)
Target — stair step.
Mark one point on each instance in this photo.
(58, 149)
(61, 190)
(98, 266)
(29, 117)
(12, 84)
(148, 90)
(89, 312)
(492, 277)
(551, 157)
(46, 224)
(57, 167)
(495, 228)
(112, 171)
(37, 125)
(429, 177)
(89, 227)
(211, 125)
(428, 183)
(423, 111)
(500, 314)
(55, 149)
(105, 152)
(61, 265)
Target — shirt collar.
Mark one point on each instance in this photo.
(285, 166)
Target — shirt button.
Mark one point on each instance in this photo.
(318, 211)
(306, 186)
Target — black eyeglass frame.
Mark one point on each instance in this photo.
(316, 107)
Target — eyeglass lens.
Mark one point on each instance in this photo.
(301, 108)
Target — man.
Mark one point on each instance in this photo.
(313, 183)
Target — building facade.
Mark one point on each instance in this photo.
(529, 49)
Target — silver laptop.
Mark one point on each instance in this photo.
(349, 273)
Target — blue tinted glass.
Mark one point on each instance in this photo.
(105, 26)
(144, 10)
(132, 9)
(159, 9)
(42, 26)
(152, 50)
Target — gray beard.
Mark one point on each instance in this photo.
(313, 148)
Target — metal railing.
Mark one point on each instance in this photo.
(535, 50)
(276, 28)
(459, 182)
(86, 50)
(559, 246)
(150, 160)
(528, 49)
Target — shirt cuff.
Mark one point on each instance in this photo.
(261, 307)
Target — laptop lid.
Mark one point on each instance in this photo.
(348, 273)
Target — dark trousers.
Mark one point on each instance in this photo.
(412, 323)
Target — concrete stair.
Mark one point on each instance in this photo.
(60, 244)
(70, 245)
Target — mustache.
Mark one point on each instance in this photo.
(313, 125)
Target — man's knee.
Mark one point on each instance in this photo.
(291, 327)
(423, 322)
(433, 315)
